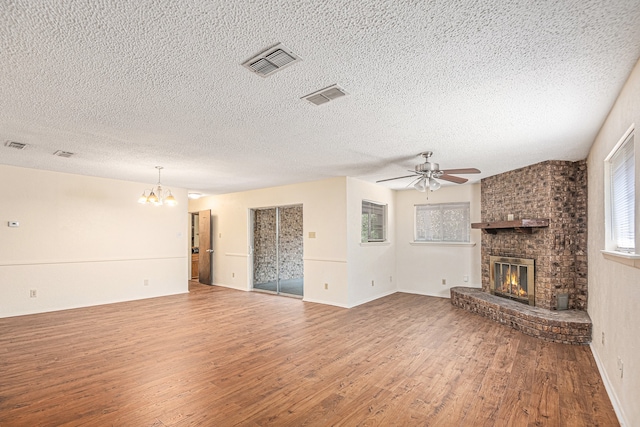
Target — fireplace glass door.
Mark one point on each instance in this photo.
(513, 278)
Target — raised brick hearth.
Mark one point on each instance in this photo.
(554, 191)
(567, 327)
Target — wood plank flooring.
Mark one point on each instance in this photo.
(220, 357)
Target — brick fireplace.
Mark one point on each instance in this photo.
(536, 214)
(554, 190)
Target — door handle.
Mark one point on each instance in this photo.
(210, 250)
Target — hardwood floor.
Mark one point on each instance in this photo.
(220, 357)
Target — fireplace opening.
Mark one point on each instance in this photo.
(513, 278)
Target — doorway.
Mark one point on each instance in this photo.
(278, 265)
(201, 247)
(194, 232)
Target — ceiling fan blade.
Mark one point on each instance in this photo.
(398, 177)
(463, 170)
(451, 178)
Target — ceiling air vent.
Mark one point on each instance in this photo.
(325, 95)
(271, 60)
(61, 153)
(16, 145)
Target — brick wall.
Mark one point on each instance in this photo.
(556, 190)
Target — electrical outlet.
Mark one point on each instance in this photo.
(33, 293)
(391, 279)
(465, 278)
(326, 286)
(444, 282)
(146, 282)
(233, 274)
(372, 283)
(602, 337)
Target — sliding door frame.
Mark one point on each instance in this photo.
(252, 220)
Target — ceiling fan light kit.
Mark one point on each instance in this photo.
(157, 195)
(428, 174)
(433, 184)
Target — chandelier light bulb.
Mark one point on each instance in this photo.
(170, 200)
(152, 198)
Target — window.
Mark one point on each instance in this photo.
(443, 222)
(374, 222)
(622, 196)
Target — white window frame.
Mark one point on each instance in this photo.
(370, 205)
(612, 250)
(442, 206)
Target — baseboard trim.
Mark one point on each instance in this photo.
(95, 304)
(373, 298)
(319, 301)
(427, 294)
(610, 391)
(222, 285)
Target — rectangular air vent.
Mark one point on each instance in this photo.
(61, 153)
(325, 95)
(16, 145)
(271, 60)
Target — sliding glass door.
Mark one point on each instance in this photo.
(277, 250)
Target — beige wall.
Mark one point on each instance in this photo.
(332, 209)
(85, 241)
(369, 263)
(325, 255)
(421, 267)
(614, 288)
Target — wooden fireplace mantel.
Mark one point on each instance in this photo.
(524, 226)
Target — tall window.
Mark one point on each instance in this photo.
(622, 191)
(374, 222)
(443, 222)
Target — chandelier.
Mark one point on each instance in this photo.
(157, 195)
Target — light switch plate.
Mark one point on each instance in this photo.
(13, 224)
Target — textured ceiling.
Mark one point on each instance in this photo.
(128, 85)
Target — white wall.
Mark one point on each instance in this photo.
(421, 267)
(325, 255)
(85, 241)
(369, 262)
(614, 288)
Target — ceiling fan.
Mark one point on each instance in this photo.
(428, 173)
